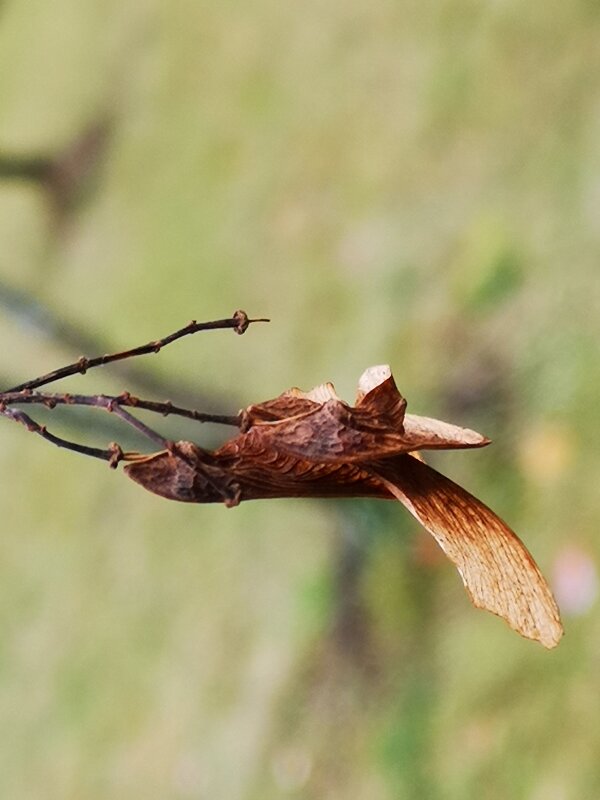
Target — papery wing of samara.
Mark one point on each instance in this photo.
(497, 570)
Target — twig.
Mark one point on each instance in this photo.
(239, 323)
(115, 408)
(113, 454)
(31, 313)
(50, 400)
(24, 394)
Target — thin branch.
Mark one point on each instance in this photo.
(30, 312)
(24, 394)
(113, 454)
(110, 404)
(50, 400)
(115, 408)
(239, 323)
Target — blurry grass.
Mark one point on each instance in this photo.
(391, 182)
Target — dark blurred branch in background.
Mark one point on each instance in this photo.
(68, 176)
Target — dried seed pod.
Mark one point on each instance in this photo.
(315, 445)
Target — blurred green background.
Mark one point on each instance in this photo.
(412, 183)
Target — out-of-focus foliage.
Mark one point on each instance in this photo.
(409, 183)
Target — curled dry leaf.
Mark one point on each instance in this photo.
(314, 445)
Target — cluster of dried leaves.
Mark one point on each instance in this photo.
(315, 445)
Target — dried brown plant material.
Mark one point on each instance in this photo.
(315, 445)
(497, 570)
(312, 444)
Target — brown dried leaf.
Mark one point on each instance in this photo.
(320, 427)
(184, 473)
(241, 471)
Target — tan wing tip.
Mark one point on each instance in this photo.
(552, 637)
(475, 439)
(436, 433)
(548, 623)
(371, 378)
(547, 632)
(543, 626)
